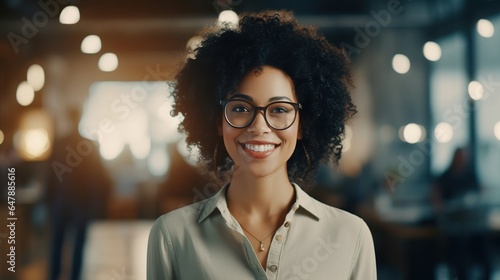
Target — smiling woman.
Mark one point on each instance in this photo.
(265, 103)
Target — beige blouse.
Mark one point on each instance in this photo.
(316, 241)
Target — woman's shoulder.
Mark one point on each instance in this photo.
(180, 219)
(336, 216)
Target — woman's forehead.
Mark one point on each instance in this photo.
(265, 83)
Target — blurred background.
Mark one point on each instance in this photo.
(87, 137)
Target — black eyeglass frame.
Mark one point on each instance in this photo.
(224, 102)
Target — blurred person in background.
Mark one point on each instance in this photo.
(450, 192)
(78, 191)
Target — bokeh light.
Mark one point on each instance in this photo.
(158, 162)
(108, 62)
(228, 17)
(25, 94)
(496, 130)
(443, 132)
(36, 77)
(432, 51)
(485, 28)
(475, 90)
(91, 44)
(36, 142)
(111, 145)
(69, 15)
(413, 133)
(401, 64)
(141, 148)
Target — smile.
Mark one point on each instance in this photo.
(259, 148)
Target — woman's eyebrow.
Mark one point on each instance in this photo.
(242, 96)
(279, 98)
(246, 97)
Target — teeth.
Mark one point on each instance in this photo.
(260, 148)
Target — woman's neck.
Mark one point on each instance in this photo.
(264, 197)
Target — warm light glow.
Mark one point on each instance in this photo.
(167, 128)
(135, 126)
(140, 149)
(129, 115)
(108, 62)
(158, 162)
(163, 112)
(443, 132)
(69, 15)
(36, 142)
(25, 94)
(36, 77)
(432, 51)
(91, 44)
(111, 146)
(32, 140)
(2, 137)
(476, 90)
(134, 130)
(485, 28)
(413, 133)
(401, 63)
(496, 130)
(228, 17)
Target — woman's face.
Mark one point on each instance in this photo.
(259, 150)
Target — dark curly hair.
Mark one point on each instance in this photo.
(319, 70)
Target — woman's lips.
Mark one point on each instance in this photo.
(259, 150)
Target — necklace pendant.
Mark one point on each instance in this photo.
(261, 247)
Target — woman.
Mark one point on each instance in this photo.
(266, 104)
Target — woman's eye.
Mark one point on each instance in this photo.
(279, 110)
(240, 109)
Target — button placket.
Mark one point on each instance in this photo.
(273, 268)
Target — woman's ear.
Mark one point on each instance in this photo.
(299, 134)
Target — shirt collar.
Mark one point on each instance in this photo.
(218, 201)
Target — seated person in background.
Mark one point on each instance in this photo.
(467, 248)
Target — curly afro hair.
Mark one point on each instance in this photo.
(319, 70)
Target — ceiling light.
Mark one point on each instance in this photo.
(485, 28)
(432, 51)
(91, 44)
(69, 15)
(108, 62)
(36, 77)
(401, 63)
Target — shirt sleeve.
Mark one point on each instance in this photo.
(160, 255)
(364, 265)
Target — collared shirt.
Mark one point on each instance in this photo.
(316, 241)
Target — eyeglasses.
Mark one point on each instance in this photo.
(279, 115)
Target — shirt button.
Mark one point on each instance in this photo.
(287, 224)
(273, 268)
(279, 237)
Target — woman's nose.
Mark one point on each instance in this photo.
(259, 124)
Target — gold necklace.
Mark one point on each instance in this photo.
(261, 248)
